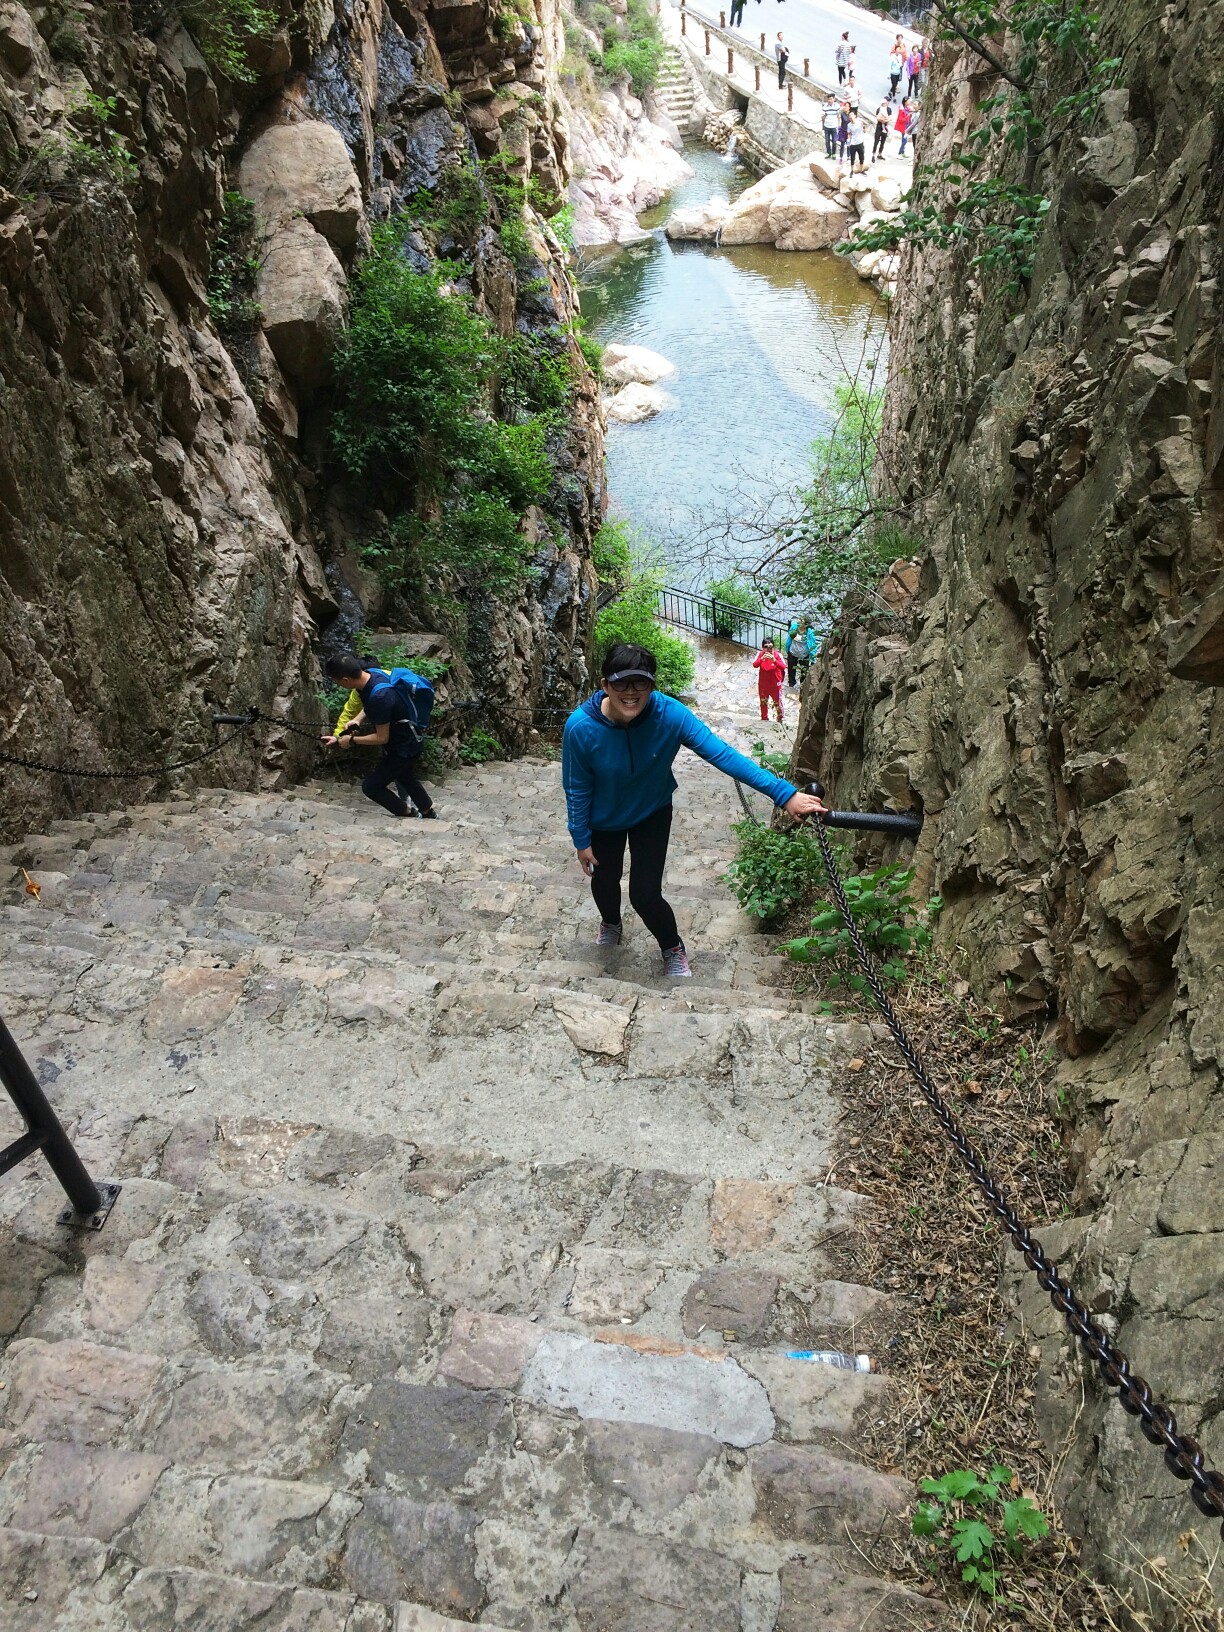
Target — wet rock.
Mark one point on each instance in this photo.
(303, 169)
(627, 365)
(635, 403)
(301, 292)
(697, 222)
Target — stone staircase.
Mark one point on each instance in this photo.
(673, 91)
(455, 1264)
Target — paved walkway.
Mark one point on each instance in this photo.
(456, 1264)
(812, 29)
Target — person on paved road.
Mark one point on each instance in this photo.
(883, 116)
(771, 667)
(855, 142)
(801, 649)
(905, 118)
(783, 56)
(616, 768)
(896, 65)
(913, 69)
(394, 719)
(737, 13)
(842, 57)
(830, 118)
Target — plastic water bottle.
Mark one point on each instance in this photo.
(833, 1357)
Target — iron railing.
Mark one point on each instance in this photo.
(707, 616)
(88, 1203)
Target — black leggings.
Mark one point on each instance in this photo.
(647, 856)
(393, 768)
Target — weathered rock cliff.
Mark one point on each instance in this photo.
(1047, 704)
(171, 536)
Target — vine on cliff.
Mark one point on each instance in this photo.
(985, 197)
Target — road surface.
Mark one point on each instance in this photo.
(812, 28)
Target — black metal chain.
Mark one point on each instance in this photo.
(133, 773)
(1182, 1453)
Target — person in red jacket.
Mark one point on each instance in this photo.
(771, 671)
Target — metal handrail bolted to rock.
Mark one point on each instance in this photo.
(89, 1202)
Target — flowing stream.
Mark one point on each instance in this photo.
(760, 337)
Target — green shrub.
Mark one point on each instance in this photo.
(633, 48)
(593, 352)
(537, 375)
(774, 870)
(631, 618)
(456, 207)
(234, 268)
(955, 1518)
(223, 29)
(612, 553)
(733, 591)
(480, 745)
(884, 914)
(411, 372)
(86, 148)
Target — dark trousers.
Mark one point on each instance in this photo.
(881, 136)
(647, 856)
(830, 143)
(894, 81)
(795, 662)
(393, 768)
(737, 12)
(841, 74)
(913, 84)
(855, 151)
(781, 73)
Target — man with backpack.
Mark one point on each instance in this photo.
(398, 706)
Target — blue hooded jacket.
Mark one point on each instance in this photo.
(616, 775)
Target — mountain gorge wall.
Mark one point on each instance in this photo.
(173, 533)
(1048, 702)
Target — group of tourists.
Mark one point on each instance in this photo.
(796, 657)
(617, 753)
(841, 118)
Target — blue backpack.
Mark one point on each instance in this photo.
(414, 692)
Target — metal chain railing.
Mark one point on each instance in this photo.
(132, 773)
(1182, 1453)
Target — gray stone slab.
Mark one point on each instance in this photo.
(837, 1600)
(424, 1441)
(421, 1551)
(77, 1490)
(730, 1298)
(808, 1495)
(614, 1383)
(626, 1583)
(655, 1467)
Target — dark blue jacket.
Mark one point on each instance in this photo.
(616, 775)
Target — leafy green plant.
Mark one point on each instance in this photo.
(985, 197)
(884, 914)
(612, 553)
(778, 763)
(480, 745)
(456, 206)
(234, 268)
(390, 653)
(733, 592)
(632, 616)
(86, 148)
(955, 1522)
(774, 870)
(633, 49)
(224, 29)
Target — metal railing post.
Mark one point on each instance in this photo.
(89, 1202)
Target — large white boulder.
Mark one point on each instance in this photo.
(805, 217)
(635, 403)
(635, 365)
(303, 170)
(698, 222)
(827, 171)
(301, 293)
(887, 193)
(747, 220)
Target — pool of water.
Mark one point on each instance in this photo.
(760, 338)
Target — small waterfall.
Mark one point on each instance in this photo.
(730, 153)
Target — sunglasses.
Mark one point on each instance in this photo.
(630, 688)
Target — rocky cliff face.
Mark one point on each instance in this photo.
(172, 540)
(1046, 701)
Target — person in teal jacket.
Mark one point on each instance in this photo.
(616, 769)
(801, 649)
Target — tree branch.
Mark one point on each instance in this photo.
(981, 50)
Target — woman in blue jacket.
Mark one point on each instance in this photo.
(616, 768)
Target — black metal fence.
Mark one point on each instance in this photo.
(707, 616)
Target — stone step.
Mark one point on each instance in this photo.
(245, 1210)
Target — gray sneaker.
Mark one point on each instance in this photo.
(609, 935)
(676, 964)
